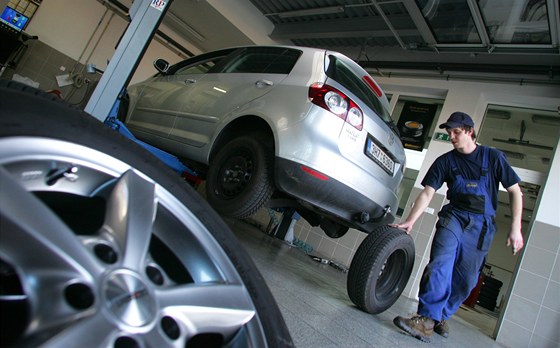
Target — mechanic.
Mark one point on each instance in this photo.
(465, 227)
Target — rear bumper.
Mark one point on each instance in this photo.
(329, 195)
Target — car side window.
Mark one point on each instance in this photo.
(201, 64)
(263, 60)
(198, 68)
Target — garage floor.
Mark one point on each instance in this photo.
(313, 300)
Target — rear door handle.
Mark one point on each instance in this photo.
(264, 83)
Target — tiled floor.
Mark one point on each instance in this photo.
(313, 300)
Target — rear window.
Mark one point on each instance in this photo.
(343, 74)
(263, 60)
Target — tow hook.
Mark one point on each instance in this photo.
(364, 217)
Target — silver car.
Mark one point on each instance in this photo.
(277, 126)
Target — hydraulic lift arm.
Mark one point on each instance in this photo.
(146, 16)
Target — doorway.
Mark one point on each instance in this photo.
(527, 138)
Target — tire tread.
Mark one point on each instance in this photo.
(376, 248)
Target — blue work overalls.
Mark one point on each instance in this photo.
(464, 233)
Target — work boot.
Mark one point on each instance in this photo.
(419, 327)
(441, 328)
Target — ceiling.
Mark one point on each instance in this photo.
(489, 36)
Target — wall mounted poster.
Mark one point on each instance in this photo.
(415, 123)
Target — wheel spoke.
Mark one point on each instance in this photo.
(51, 248)
(95, 330)
(208, 308)
(154, 338)
(130, 215)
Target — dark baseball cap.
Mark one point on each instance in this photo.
(458, 119)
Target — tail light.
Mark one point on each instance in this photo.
(373, 85)
(333, 100)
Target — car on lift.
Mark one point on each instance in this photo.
(286, 126)
(277, 126)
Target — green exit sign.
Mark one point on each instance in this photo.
(442, 137)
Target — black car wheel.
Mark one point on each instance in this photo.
(103, 245)
(239, 180)
(380, 269)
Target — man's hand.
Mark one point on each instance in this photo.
(515, 238)
(515, 241)
(405, 226)
(420, 203)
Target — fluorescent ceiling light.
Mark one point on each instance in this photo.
(513, 154)
(499, 114)
(547, 120)
(185, 26)
(310, 12)
(521, 142)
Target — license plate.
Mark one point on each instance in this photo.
(374, 152)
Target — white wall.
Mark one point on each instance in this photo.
(549, 208)
(68, 25)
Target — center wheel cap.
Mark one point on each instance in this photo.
(129, 298)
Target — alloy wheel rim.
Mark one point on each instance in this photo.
(68, 287)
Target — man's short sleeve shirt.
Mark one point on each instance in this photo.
(470, 167)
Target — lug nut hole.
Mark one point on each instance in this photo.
(170, 327)
(79, 296)
(105, 253)
(126, 342)
(155, 275)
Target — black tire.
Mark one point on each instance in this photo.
(492, 286)
(123, 217)
(488, 284)
(489, 292)
(239, 180)
(493, 282)
(380, 269)
(487, 304)
(490, 295)
(488, 299)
